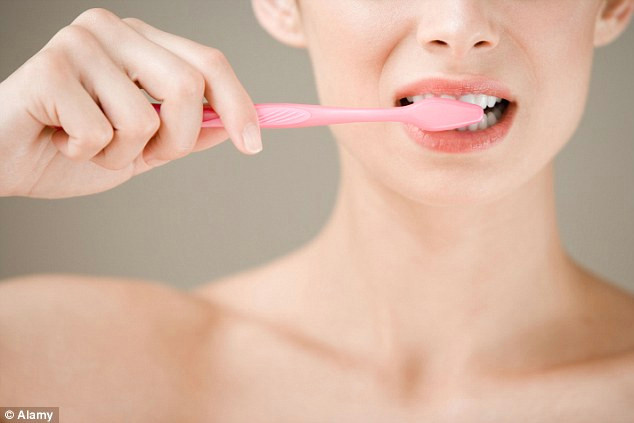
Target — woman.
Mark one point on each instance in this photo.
(438, 290)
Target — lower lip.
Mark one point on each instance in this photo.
(453, 141)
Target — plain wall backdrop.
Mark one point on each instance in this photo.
(218, 211)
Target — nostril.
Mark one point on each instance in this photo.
(440, 42)
(480, 44)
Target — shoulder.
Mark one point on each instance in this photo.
(273, 288)
(101, 303)
(78, 341)
(613, 301)
(609, 317)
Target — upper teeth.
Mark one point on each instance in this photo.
(481, 100)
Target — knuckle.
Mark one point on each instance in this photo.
(99, 136)
(95, 14)
(74, 36)
(144, 128)
(151, 124)
(213, 56)
(134, 22)
(214, 60)
(189, 84)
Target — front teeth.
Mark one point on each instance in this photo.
(482, 100)
(490, 119)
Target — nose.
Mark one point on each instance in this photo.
(457, 28)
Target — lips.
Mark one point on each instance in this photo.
(456, 141)
(464, 142)
(457, 88)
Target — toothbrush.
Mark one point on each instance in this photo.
(431, 114)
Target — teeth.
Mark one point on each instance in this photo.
(481, 100)
(484, 124)
(491, 119)
(485, 101)
(488, 120)
(469, 98)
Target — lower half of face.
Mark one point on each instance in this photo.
(363, 51)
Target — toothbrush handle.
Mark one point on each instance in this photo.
(294, 115)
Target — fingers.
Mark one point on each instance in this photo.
(67, 104)
(223, 90)
(162, 74)
(133, 120)
(86, 128)
(107, 118)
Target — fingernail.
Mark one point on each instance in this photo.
(251, 137)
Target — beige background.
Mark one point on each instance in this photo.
(218, 211)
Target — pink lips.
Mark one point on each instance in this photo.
(460, 141)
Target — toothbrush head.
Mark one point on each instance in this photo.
(441, 114)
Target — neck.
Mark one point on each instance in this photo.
(443, 281)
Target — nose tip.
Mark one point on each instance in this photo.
(456, 47)
(458, 32)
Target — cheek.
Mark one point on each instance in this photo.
(349, 47)
(561, 54)
(349, 43)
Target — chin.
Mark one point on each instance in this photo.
(452, 192)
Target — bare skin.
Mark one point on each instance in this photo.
(438, 290)
(244, 348)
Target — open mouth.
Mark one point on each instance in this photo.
(494, 108)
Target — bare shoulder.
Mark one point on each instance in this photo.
(93, 301)
(77, 341)
(610, 376)
(612, 300)
(610, 306)
(272, 288)
(76, 290)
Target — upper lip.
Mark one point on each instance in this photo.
(454, 87)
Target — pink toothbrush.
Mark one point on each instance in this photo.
(431, 114)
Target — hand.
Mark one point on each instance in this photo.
(87, 81)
